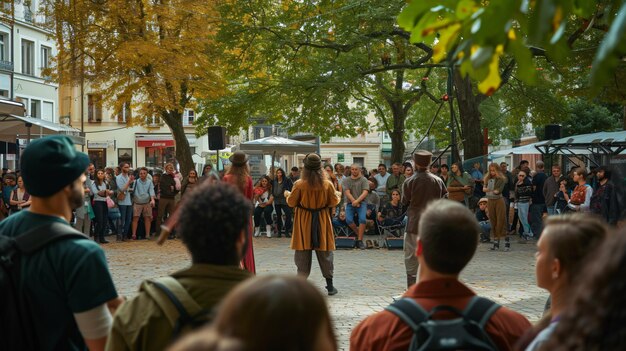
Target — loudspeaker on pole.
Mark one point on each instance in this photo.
(217, 138)
(552, 131)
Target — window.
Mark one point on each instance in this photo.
(28, 57)
(159, 156)
(3, 46)
(124, 155)
(98, 157)
(188, 117)
(359, 161)
(124, 115)
(46, 53)
(35, 108)
(154, 121)
(94, 108)
(47, 111)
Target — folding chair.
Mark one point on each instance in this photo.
(391, 236)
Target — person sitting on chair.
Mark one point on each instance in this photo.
(340, 223)
(393, 213)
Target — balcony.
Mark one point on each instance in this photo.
(6, 66)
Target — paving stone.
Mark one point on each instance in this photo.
(367, 280)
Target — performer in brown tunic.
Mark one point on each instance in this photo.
(312, 197)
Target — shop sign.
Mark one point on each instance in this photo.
(341, 158)
(97, 144)
(155, 143)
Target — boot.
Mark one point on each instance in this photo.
(410, 280)
(496, 245)
(268, 230)
(329, 286)
(279, 232)
(507, 244)
(257, 231)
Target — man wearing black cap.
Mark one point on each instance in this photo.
(417, 191)
(66, 284)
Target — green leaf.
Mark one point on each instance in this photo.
(465, 8)
(413, 12)
(612, 48)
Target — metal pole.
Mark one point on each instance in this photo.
(217, 160)
(449, 91)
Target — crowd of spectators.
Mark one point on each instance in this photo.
(215, 305)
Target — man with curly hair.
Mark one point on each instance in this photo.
(213, 225)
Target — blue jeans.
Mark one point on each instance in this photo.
(361, 211)
(127, 217)
(551, 211)
(485, 227)
(522, 211)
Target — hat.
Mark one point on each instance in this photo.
(238, 158)
(51, 163)
(484, 199)
(422, 158)
(313, 162)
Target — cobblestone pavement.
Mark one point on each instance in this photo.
(367, 280)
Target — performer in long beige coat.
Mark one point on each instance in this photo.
(312, 197)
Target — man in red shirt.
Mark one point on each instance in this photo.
(447, 240)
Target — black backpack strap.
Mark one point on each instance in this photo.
(480, 309)
(37, 238)
(409, 311)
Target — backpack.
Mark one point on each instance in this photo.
(181, 310)
(18, 330)
(467, 332)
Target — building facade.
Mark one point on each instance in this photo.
(25, 53)
(111, 138)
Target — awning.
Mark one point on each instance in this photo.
(160, 140)
(14, 127)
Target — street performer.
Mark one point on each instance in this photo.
(312, 197)
(422, 188)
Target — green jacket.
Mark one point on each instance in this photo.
(140, 324)
(394, 182)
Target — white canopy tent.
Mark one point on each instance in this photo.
(278, 145)
(529, 149)
(275, 145)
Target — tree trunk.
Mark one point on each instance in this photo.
(469, 116)
(398, 147)
(174, 121)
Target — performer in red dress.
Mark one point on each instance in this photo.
(239, 175)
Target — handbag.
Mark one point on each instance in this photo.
(110, 202)
(121, 195)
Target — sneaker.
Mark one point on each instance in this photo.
(360, 245)
(369, 244)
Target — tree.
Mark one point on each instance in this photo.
(493, 42)
(158, 56)
(476, 35)
(321, 67)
